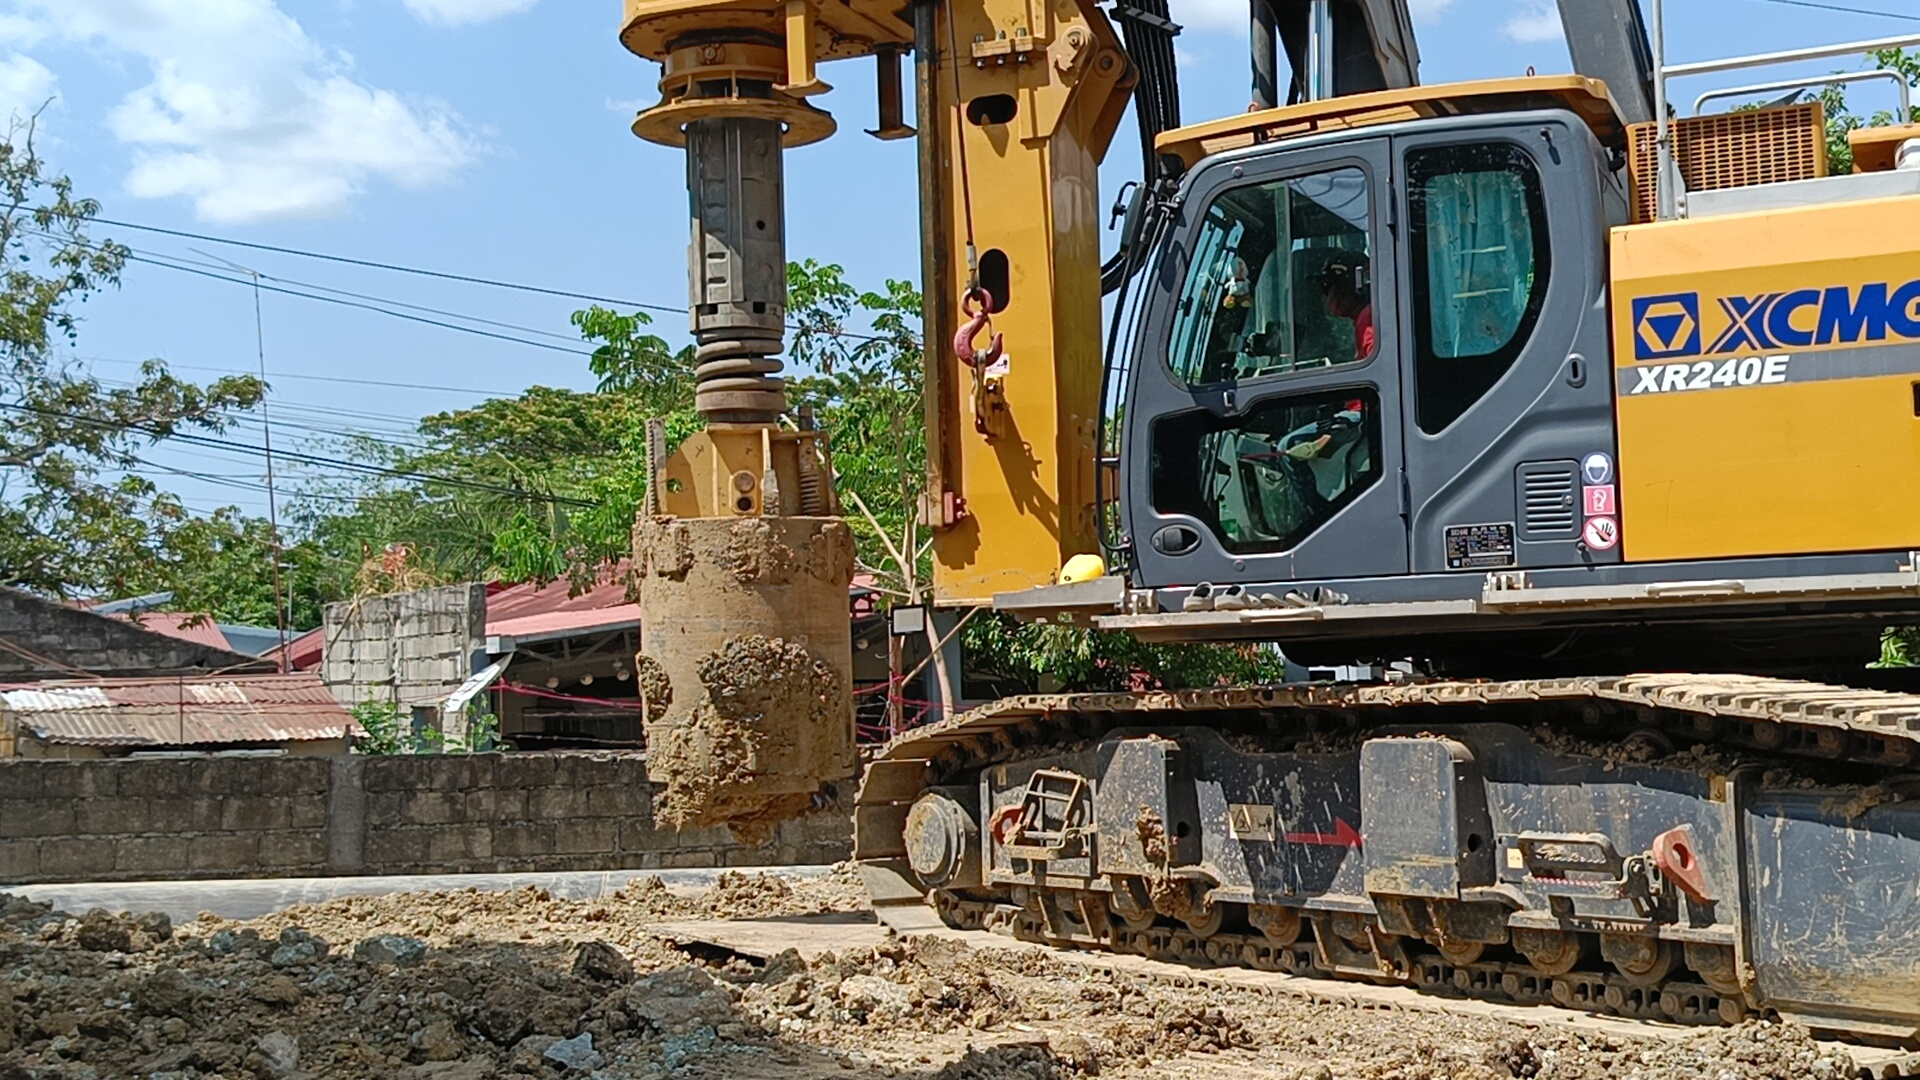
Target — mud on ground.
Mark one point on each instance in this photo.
(490, 986)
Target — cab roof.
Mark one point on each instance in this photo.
(1586, 98)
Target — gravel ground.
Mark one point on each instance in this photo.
(489, 986)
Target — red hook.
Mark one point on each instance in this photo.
(978, 318)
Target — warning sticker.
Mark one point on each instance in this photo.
(1601, 533)
(1480, 547)
(1600, 500)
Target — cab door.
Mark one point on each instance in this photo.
(1263, 424)
(1508, 390)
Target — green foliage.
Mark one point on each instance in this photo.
(1841, 119)
(390, 732)
(389, 729)
(74, 518)
(1054, 658)
(867, 396)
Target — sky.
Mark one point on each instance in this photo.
(488, 138)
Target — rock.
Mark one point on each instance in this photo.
(278, 991)
(602, 962)
(391, 949)
(166, 992)
(675, 1052)
(100, 931)
(437, 1041)
(870, 996)
(783, 967)
(576, 1053)
(529, 1054)
(1075, 1051)
(679, 1000)
(298, 947)
(154, 924)
(223, 943)
(470, 1069)
(279, 1053)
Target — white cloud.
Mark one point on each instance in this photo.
(248, 116)
(1538, 22)
(1209, 14)
(462, 12)
(1428, 10)
(25, 86)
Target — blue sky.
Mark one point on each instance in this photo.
(488, 138)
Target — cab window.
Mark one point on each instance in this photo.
(1279, 281)
(1264, 481)
(1479, 232)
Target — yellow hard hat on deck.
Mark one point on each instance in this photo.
(1083, 568)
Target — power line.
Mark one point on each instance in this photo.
(1844, 9)
(321, 378)
(390, 313)
(443, 275)
(309, 459)
(398, 269)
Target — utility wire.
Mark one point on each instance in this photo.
(389, 312)
(444, 276)
(320, 378)
(1843, 9)
(308, 459)
(395, 268)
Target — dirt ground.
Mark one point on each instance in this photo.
(478, 986)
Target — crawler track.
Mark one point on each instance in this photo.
(1871, 739)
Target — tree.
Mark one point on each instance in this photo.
(1841, 119)
(74, 519)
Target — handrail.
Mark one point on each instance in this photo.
(1670, 182)
(1899, 80)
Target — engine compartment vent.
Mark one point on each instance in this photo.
(1729, 150)
(1549, 497)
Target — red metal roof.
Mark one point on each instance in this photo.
(304, 652)
(204, 710)
(530, 610)
(199, 629)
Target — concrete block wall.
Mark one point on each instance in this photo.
(187, 818)
(409, 649)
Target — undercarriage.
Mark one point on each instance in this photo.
(1697, 849)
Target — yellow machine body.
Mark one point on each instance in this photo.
(1768, 382)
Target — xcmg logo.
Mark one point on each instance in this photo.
(1667, 327)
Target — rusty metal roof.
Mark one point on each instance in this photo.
(191, 711)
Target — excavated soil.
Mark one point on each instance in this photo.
(478, 986)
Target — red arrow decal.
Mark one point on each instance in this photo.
(1343, 835)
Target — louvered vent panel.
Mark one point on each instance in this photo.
(1729, 150)
(1549, 497)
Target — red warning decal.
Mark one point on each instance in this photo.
(1601, 500)
(1602, 533)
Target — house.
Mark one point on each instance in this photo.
(200, 628)
(93, 718)
(42, 638)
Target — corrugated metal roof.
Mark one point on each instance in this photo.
(546, 611)
(199, 629)
(208, 710)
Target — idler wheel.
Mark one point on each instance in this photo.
(1552, 953)
(1641, 960)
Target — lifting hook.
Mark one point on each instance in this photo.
(979, 318)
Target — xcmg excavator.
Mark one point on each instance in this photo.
(1547, 391)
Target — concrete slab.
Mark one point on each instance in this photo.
(252, 898)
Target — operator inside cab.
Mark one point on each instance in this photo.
(1348, 291)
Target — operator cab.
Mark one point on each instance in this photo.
(1366, 352)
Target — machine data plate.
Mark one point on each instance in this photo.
(1480, 547)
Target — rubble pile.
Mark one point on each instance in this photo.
(478, 986)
